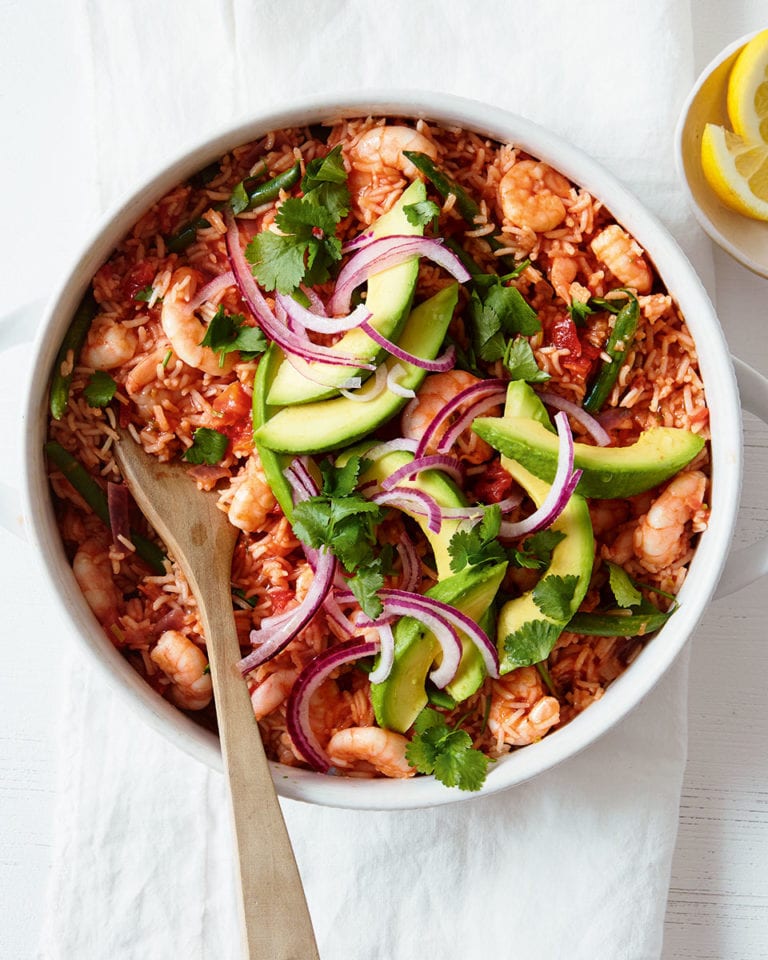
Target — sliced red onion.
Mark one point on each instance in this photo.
(372, 389)
(447, 465)
(290, 342)
(308, 320)
(409, 498)
(386, 654)
(360, 241)
(386, 252)
(391, 446)
(441, 364)
(476, 511)
(560, 492)
(316, 305)
(473, 393)
(456, 429)
(411, 564)
(118, 505)
(300, 467)
(590, 424)
(394, 387)
(334, 612)
(423, 609)
(310, 678)
(270, 640)
(211, 289)
(460, 620)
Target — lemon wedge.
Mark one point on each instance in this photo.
(736, 170)
(748, 90)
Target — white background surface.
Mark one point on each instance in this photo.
(718, 905)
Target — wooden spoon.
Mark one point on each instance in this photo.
(276, 921)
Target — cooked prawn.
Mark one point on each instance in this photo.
(185, 665)
(624, 257)
(253, 499)
(663, 534)
(562, 276)
(272, 691)
(93, 572)
(377, 155)
(434, 393)
(185, 331)
(108, 345)
(382, 749)
(520, 711)
(531, 195)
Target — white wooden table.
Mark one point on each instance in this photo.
(718, 903)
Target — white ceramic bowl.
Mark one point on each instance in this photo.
(706, 567)
(743, 238)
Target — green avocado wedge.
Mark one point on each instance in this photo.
(526, 632)
(608, 472)
(331, 424)
(388, 298)
(433, 482)
(402, 696)
(272, 463)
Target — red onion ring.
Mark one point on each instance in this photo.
(591, 425)
(287, 340)
(360, 241)
(118, 506)
(270, 641)
(409, 498)
(386, 654)
(411, 564)
(394, 387)
(308, 320)
(209, 291)
(456, 429)
(385, 252)
(440, 364)
(560, 492)
(316, 305)
(297, 714)
(474, 392)
(390, 446)
(366, 392)
(447, 465)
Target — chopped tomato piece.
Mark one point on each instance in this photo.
(494, 484)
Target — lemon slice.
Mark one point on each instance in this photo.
(748, 90)
(736, 170)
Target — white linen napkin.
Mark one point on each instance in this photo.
(575, 863)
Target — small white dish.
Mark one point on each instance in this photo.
(743, 238)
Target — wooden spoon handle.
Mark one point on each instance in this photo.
(276, 921)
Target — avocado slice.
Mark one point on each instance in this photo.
(658, 453)
(402, 696)
(328, 424)
(272, 463)
(389, 301)
(573, 556)
(434, 483)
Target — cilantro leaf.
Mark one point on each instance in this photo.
(627, 595)
(579, 311)
(553, 596)
(325, 183)
(208, 446)
(422, 213)
(536, 552)
(341, 481)
(479, 544)
(277, 262)
(447, 752)
(145, 294)
(497, 314)
(100, 389)
(228, 332)
(521, 363)
(531, 643)
(364, 585)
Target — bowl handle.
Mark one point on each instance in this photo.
(749, 563)
(16, 327)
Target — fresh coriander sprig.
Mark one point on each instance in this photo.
(447, 752)
(228, 332)
(341, 519)
(478, 545)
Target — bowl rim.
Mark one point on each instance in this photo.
(705, 222)
(625, 692)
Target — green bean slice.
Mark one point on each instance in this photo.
(617, 348)
(73, 340)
